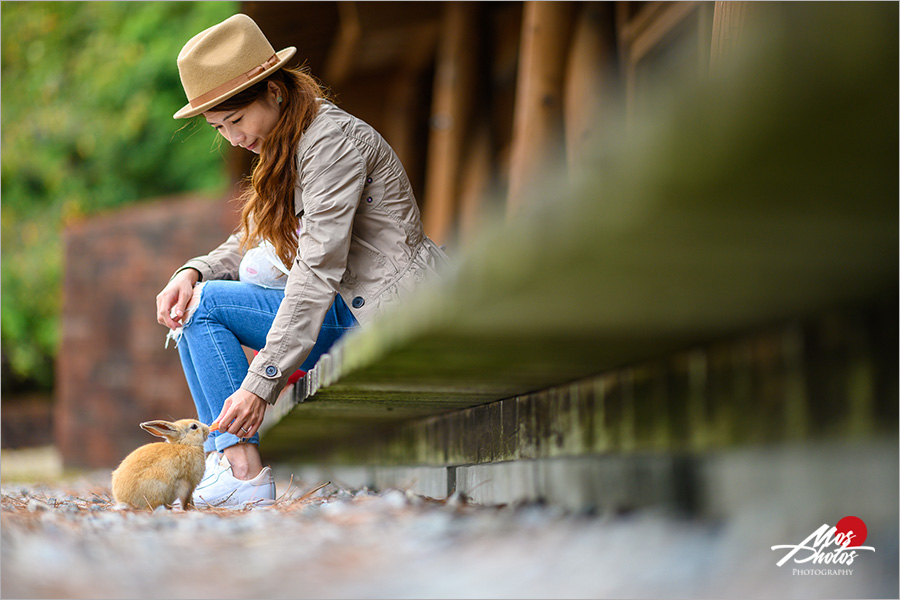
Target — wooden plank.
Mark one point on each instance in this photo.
(631, 25)
(642, 34)
(665, 20)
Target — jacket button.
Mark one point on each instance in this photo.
(369, 199)
(358, 302)
(368, 180)
(271, 371)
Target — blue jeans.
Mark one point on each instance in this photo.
(232, 314)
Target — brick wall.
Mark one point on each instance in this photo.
(27, 421)
(113, 371)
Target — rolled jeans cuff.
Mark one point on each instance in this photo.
(226, 440)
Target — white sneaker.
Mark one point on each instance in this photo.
(213, 465)
(223, 489)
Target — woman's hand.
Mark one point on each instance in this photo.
(242, 414)
(173, 300)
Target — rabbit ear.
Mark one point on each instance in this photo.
(162, 429)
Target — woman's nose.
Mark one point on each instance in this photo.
(233, 136)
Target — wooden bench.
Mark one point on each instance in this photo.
(763, 197)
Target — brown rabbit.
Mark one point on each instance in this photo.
(162, 472)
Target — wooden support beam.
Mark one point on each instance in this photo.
(729, 19)
(346, 46)
(399, 124)
(475, 182)
(454, 94)
(589, 79)
(405, 107)
(643, 33)
(537, 122)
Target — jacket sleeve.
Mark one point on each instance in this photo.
(331, 179)
(221, 263)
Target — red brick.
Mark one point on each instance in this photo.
(113, 371)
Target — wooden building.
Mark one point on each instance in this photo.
(477, 97)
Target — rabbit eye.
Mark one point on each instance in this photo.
(194, 426)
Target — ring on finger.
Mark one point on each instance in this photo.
(245, 430)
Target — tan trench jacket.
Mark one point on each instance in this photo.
(361, 237)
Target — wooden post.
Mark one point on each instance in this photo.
(346, 46)
(729, 19)
(475, 181)
(537, 122)
(451, 107)
(404, 103)
(588, 79)
(399, 126)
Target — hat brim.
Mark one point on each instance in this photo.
(192, 111)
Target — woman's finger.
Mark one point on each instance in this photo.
(164, 316)
(242, 414)
(171, 304)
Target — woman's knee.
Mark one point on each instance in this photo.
(194, 303)
(206, 297)
(190, 316)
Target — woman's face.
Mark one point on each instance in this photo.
(247, 127)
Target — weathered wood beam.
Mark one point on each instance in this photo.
(642, 34)
(346, 45)
(399, 126)
(454, 93)
(537, 123)
(475, 181)
(728, 25)
(589, 79)
(404, 102)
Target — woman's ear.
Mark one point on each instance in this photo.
(274, 93)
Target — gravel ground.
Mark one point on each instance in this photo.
(67, 540)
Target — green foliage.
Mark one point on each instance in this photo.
(89, 89)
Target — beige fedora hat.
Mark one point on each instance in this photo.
(223, 60)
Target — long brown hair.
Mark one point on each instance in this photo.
(267, 211)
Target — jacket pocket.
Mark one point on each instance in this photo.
(381, 258)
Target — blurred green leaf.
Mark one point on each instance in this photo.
(89, 89)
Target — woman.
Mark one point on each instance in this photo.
(329, 199)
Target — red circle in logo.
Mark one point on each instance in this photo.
(855, 525)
